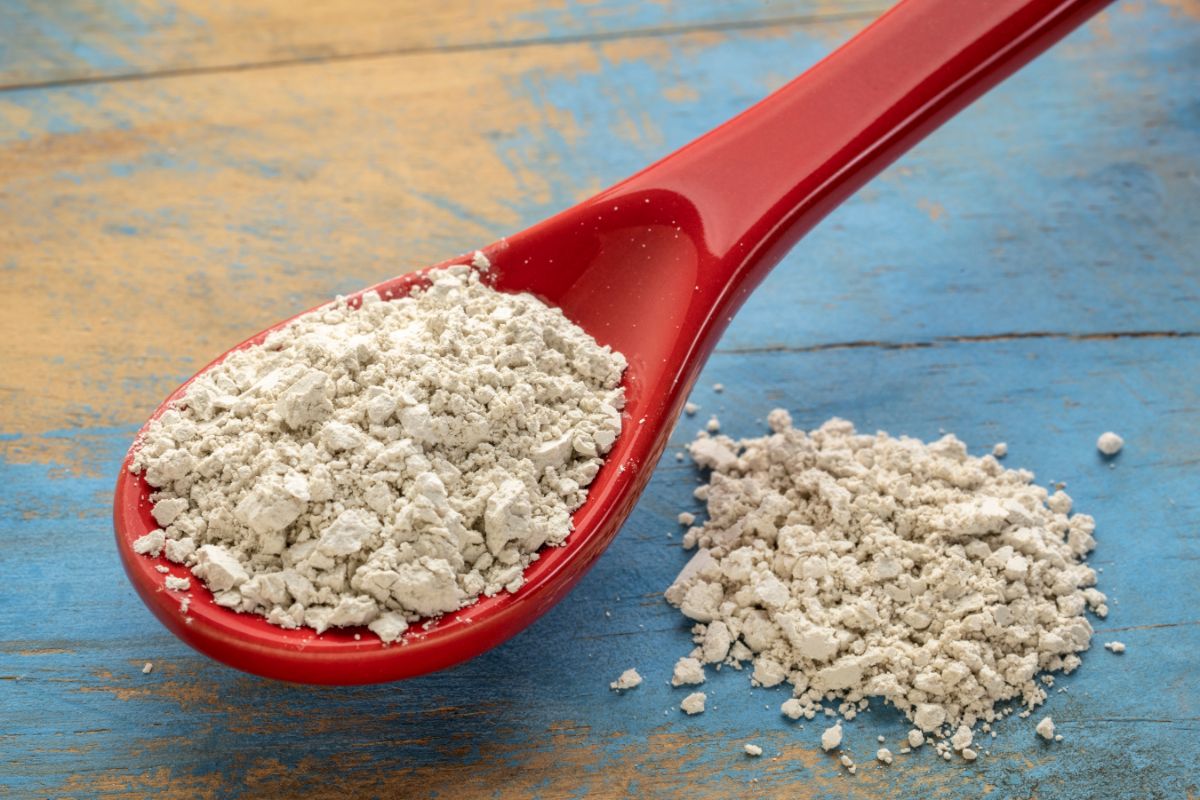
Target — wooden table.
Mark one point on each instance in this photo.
(175, 175)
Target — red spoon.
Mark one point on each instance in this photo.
(656, 266)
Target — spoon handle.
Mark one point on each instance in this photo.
(763, 179)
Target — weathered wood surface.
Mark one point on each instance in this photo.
(1029, 274)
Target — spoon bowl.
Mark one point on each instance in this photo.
(655, 267)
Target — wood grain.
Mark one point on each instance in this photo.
(74, 41)
(1027, 275)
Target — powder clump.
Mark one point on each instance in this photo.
(383, 464)
(1109, 443)
(693, 703)
(856, 566)
(629, 679)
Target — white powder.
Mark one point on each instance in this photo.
(693, 703)
(752, 750)
(857, 566)
(961, 738)
(831, 737)
(794, 709)
(148, 667)
(1115, 647)
(628, 680)
(386, 464)
(688, 672)
(1109, 443)
(1045, 728)
(884, 756)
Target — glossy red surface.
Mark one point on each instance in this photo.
(656, 266)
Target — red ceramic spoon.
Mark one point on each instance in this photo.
(656, 266)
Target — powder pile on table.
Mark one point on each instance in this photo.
(864, 566)
(383, 464)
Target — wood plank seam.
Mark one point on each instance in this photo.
(786, 21)
(942, 340)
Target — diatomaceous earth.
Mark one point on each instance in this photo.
(380, 465)
(864, 566)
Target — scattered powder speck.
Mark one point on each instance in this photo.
(690, 408)
(693, 703)
(1115, 647)
(831, 737)
(884, 756)
(752, 750)
(148, 667)
(628, 680)
(386, 464)
(794, 709)
(1109, 443)
(1045, 728)
(1000, 449)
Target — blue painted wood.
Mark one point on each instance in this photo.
(1067, 201)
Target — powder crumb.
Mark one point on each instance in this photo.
(686, 518)
(855, 565)
(883, 755)
(752, 750)
(679, 456)
(480, 262)
(161, 569)
(628, 680)
(916, 738)
(688, 672)
(792, 709)
(968, 754)
(1045, 728)
(713, 425)
(1109, 443)
(693, 703)
(718, 387)
(151, 544)
(905, 750)
(148, 667)
(961, 738)
(1115, 647)
(690, 409)
(831, 738)
(387, 462)
(1000, 449)
(848, 763)
(177, 584)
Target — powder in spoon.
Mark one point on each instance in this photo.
(380, 465)
(856, 566)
